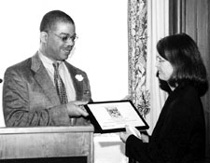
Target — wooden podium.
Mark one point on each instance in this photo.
(47, 144)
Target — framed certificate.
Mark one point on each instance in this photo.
(113, 116)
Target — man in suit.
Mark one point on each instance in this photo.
(37, 93)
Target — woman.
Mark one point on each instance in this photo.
(179, 135)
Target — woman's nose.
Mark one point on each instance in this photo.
(157, 64)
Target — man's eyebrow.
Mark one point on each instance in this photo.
(67, 34)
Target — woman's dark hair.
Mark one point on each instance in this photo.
(182, 52)
(52, 17)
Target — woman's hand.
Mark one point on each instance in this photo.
(145, 138)
(129, 131)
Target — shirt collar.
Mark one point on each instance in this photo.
(46, 61)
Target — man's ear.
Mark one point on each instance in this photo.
(43, 37)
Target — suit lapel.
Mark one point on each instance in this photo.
(43, 79)
(78, 86)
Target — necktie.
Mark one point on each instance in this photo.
(61, 90)
(60, 87)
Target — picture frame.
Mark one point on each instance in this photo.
(113, 116)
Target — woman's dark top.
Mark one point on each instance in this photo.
(179, 135)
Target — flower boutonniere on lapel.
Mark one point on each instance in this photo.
(79, 77)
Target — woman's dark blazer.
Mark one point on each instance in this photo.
(179, 135)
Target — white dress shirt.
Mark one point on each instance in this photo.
(64, 73)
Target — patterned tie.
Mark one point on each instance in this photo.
(60, 87)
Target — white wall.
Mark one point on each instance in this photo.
(102, 48)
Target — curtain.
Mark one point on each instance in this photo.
(147, 23)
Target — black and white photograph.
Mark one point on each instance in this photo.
(105, 81)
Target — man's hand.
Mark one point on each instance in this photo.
(76, 109)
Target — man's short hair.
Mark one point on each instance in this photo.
(52, 17)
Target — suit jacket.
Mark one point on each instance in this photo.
(179, 135)
(30, 98)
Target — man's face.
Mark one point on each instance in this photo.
(60, 41)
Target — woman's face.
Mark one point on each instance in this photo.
(164, 68)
